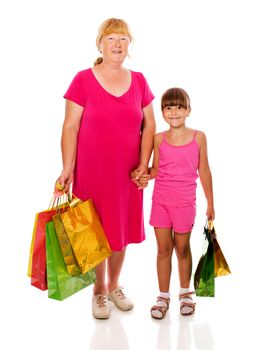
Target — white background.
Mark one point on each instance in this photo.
(207, 47)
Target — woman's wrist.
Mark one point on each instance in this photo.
(143, 166)
(68, 169)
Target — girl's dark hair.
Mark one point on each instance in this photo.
(175, 97)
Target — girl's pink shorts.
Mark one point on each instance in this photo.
(180, 219)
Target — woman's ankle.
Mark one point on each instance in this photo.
(111, 287)
(100, 289)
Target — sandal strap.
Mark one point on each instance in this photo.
(190, 305)
(162, 309)
(186, 295)
(164, 300)
(184, 304)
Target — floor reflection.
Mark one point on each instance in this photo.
(184, 337)
(109, 335)
(189, 334)
(164, 334)
(202, 334)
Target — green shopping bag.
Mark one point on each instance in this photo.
(65, 247)
(60, 284)
(204, 277)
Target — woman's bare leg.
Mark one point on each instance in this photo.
(100, 284)
(114, 265)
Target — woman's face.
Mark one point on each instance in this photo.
(114, 47)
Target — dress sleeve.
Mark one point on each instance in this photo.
(76, 90)
(147, 96)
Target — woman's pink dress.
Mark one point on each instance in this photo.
(107, 151)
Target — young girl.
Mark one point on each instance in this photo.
(180, 154)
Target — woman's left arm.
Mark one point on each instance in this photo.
(148, 131)
(205, 175)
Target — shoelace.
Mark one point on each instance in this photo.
(101, 301)
(120, 294)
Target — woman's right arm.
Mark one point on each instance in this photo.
(70, 130)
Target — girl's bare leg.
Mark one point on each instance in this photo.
(184, 256)
(165, 247)
(183, 252)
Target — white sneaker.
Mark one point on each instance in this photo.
(120, 300)
(100, 306)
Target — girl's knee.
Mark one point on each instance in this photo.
(183, 252)
(165, 252)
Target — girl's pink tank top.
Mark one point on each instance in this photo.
(175, 183)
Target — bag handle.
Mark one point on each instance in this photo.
(69, 197)
(58, 202)
(209, 229)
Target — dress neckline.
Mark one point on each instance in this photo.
(179, 146)
(109, 93)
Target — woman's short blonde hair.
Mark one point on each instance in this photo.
(113, 25)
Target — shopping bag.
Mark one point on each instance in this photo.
(32, 245)
(86, 235)
(60, 284)
(211, 264)
(204, 279)
(37, 256)
(70, 260)
(221, 267)
(38, 267)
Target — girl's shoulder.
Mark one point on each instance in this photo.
(200, 137)
(158, 138)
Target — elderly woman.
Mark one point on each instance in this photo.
(107, 136)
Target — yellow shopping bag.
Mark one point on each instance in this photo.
(86, 235)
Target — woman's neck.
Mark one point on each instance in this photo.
(111, 68)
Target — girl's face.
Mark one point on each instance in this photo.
(114, 47)
(175, 115)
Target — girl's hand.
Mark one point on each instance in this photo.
(143, 181)
(210, 213)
